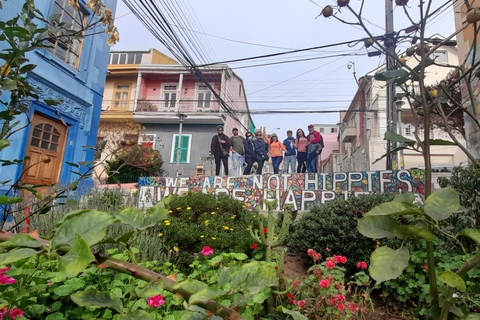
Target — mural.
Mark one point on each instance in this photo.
(302, 190)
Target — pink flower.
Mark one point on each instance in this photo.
(15, 312)
(340, 259)
(330, 264)
(4, 269)
(6, 279)
(341, 307)
(324, 283)
(333, 301)
(362, 265)
(344, 260)
(301, 304)
(3, 311)
(314, 255)
(206, 251)
(340, 297)
(156, 301)
(352, 306)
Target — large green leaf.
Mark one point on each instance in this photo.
(191, 285)
(403, 232)
(150, 290)
(138, 314)
(76, 259)
(407, 197)
(259, 276)
(21, 240)
(440, 142)
(141, 221)
(392, 136)
(205, 295)
(387, 263)
(473, 316)
(473, 234)
(95, 298)
(4, 143)
(394, 208)
(295, 314)
(441, 204)
(453, 280)
(377, 227)
(9, 200)
(16, 255)
(91, 225)
(390, 75)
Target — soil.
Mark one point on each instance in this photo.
(293, 268)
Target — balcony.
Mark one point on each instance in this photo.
(166, 111)
(349, 134)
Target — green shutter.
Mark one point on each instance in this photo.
(183, 149)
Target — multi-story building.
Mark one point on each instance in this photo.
(71, 71)
(466, 39)
(152, 100)
(364, 124)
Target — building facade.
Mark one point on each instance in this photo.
(152, 100)
(73, 72)
(364, 124)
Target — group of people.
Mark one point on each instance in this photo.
(259, 147)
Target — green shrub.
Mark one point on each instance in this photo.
(198, 220)
(332, 227)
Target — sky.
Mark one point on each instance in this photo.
(228, 30)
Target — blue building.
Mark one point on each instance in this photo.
(72, 71)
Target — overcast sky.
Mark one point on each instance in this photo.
(227, 30)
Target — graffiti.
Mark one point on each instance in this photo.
(301, 190)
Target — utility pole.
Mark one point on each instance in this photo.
(391, 114)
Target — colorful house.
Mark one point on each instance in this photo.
(73, 72)
(152, 100)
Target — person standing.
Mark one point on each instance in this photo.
(220, 148)
(261, 150)
(238, 153)
(276, 148)
(314, 148)
(290, 154)
(249, 153)
(301, 146)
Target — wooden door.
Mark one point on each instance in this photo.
(46, 145)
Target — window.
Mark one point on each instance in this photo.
(408, 130)
(121, 95)
(439, 56)
(333, 130)
(204, 97)
(169, 95)
(45, 136)
(147, 140)
(184, 148)
(126, 58)
(69, 46)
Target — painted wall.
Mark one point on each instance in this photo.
(300, 190)
(80, 89)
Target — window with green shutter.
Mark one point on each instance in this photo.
(184, 148)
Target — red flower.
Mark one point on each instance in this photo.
(341, 307)
(333, 301)
(314, 255)
(206, 251)
(352, 306)
(15, 312)
(362, 265)
(265, 230)
(365, 310)
(340, 259)
(330, 264)
(301, 304)
(254, 246)
(340, 297)
(156, 301)
(289, 296)
(324, 283)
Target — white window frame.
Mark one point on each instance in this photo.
(202, 88)
(408, 130)
(162, 95)
(152, 136)
(173, 150)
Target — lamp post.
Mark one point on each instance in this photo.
(340, 151)
(399, 103)
(181, 117)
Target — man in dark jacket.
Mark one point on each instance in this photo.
(219, 148)
(261, 150)
(290, 154)
(249, 153)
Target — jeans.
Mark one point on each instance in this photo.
(276, 163)
(301, 159)
(237, 164)
(312, 163)
(289, 164)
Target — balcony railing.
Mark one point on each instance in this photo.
(118, 105)
(183, 106)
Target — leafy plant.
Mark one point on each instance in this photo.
(331, 227)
